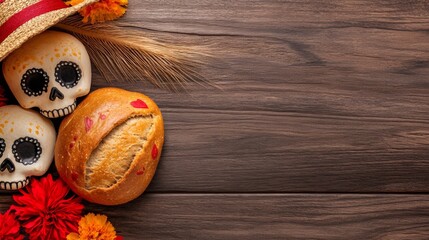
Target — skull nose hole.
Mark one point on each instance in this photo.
(55, 93)
(7, 164)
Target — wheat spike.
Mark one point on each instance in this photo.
(123, 54)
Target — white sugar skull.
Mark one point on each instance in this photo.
(27, 141)
(49, 71)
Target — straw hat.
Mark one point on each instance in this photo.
(21, 20)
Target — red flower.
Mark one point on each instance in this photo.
(44, 210)
(9, 229)
(3, 99)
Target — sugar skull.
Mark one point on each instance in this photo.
(27, 141)
(49, 71)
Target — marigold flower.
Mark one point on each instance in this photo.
(44, 210)
(101, 11)
(9, 227)
(94, 227)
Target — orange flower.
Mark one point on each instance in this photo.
(103, 10)
(94, 227)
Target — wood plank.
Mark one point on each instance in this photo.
(270, 216)
(317, 96)
(248, 152)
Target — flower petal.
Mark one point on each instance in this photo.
(44, 211)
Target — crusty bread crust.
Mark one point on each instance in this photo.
(128, 121)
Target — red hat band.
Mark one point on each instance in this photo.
(28, 13)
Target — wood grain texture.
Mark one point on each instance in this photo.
(271, 216)
(317, 96)
(274, 216)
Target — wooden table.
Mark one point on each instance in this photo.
(320, 129)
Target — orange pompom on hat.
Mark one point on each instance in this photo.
(104, 10)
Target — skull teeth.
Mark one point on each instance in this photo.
(14, 185)
(58, 112)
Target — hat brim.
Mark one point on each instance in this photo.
(35, 26)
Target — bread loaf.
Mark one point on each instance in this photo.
(108, 149)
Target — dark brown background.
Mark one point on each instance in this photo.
(320, 131)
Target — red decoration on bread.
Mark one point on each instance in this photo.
(74, 176)
(73, 142)
(102, 116)
(154, 151)
(139, 104)
(88, 123)
(141, 171)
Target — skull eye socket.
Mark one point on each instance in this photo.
(2, 146)
(26, 150)
(34, 82)
(67, 74)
